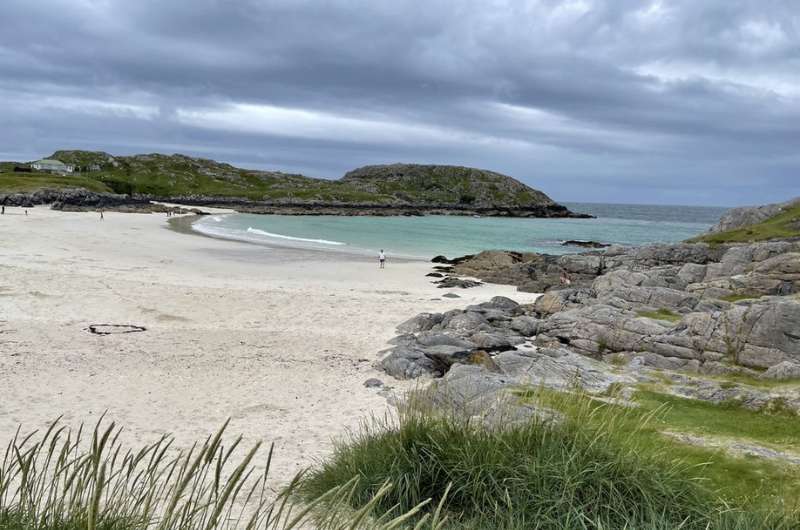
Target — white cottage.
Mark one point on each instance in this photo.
(53, 166)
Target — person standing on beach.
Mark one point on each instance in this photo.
(101, 215)
(382, 258)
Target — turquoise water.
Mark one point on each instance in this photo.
(424, 237)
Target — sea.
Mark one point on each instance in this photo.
(428, 236)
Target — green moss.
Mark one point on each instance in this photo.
(784, 225)
(733, 298)
(661, 314)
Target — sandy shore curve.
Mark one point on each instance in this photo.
(279, 340)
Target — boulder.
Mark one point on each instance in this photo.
(525, 325)
(782, 371)
(466, 322)
(452, 282)
(495, 341)
(409, 363)
(421, 322)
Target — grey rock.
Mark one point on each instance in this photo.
(750, 215)
(438, 338)
(409, 363)
(503, 303)
(373, 383)
(421, 322)
(782, 371)
(469, 321)
(692, 273)
(452, 282)
(493, 341)
(525, 325)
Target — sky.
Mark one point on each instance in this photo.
(650, 102)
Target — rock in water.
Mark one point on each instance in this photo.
(584, 244)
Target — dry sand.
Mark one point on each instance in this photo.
(280, 341)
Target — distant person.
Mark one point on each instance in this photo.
(3, 212)
(565, 278)
(101, 215)
(26, 213)
(382, 258)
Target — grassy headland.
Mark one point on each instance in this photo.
(785, 224)
(173, 176)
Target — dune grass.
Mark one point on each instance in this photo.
(63, 480)
(600, 467)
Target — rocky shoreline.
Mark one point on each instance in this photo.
(79, 199)
(714, 323)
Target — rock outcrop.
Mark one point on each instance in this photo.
(750, 215)
(676, 316)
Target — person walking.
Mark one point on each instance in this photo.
(382, 258)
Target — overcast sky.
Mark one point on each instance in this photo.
(674, 101)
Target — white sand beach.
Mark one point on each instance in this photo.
(279, 340)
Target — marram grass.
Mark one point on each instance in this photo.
(587, 470)
(64, 480)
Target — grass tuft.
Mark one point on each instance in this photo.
(661, 314)
(62, 480)
(593, 469)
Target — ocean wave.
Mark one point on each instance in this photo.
(290, 238)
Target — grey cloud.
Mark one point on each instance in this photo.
(586, 99)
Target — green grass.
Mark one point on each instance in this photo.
(784, 225)
(177, 175)
(602, 467)
(63, 480)
(661, 314)
(743, 481)
(729, 420)
(733, 298)
(27, 182)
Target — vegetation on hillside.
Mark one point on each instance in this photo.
(29, 182)
(783, 225)
(180, 176)
(444, 184)
(600, 466)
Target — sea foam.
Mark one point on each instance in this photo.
(290, 238)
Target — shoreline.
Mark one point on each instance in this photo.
(280, 341)
(182, 224)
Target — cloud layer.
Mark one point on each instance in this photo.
(591, 100)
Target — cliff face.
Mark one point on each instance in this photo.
(399, 189)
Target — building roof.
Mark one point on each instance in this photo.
(51, 162)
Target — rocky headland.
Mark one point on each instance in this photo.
(106, 181)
